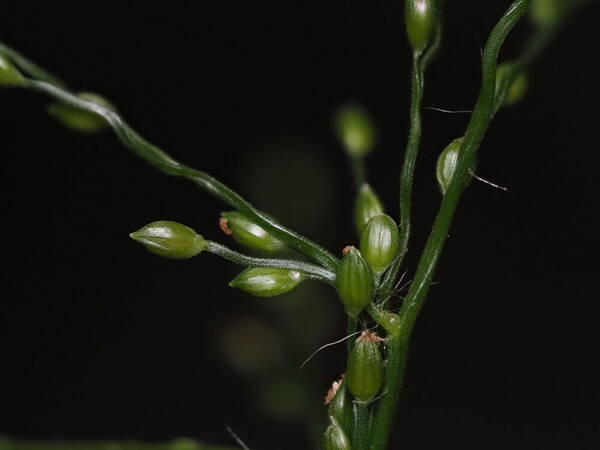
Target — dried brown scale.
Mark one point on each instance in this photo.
(367, 336)
(333, 390)
(223, 224)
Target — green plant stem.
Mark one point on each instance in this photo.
(317, 272)
(407, 176)
(163, 162)
(351, 327)
(357, 167)
(29, 67)
(396, 346)
(420, 61)
(360, 429)
(397, 342)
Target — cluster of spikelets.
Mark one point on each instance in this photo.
(358, 274)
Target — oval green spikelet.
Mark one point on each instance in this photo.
(365, 368)
(249, 234)
(80, 120)
(267, 282)
(355, 130)
(335, 438)
(169, 239)
(366, 206)
(518, 83)
(380, 242)
(446, 165)
(421, 18)
(9, 74)
(354, 282)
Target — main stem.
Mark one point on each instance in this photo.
(398, 342)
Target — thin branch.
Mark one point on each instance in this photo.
(29, 67)
(163, 162)
(238, 258)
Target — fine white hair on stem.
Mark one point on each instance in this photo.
(489, 183)
(328, 345)
(449, 111)
(236, 438)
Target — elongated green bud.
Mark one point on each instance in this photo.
(380, 242)
(169, 239)
(446, 165)
(421, 19)
(247, 233)
(267, 282)
(366, 206)
(9, 74)
(335, 438)
(365, 368)
(517, 88)
(80, 120)
(355, 130)
(339, 403)
(354, 282)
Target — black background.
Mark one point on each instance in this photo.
(100, 340)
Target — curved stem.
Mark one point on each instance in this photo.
(407, 176)
(398, 342)
(419, 66)
(238, 258)
(163, 162)
(29, 67)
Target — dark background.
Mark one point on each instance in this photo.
(101, 340)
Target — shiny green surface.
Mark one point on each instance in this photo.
(247, 233)
(446, 165)
(366, 206)
(354, 282)
(169, 239)
(420, 17)
(365, 370)
(380, 242)
(267, 282)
